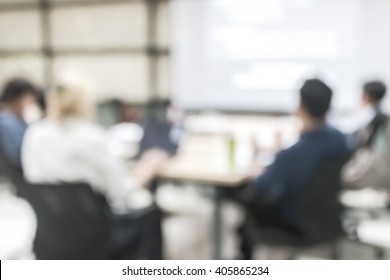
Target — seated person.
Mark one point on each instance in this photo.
(162, 129)
(364, 123)
(67, 147)
(292, 167)
(368, 134)
(18, 94)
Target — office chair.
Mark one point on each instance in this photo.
(318, 210)
(73, 220)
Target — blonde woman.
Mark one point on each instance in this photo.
(67, 146)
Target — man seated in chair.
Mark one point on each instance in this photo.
(16, 98)
(272, 192)
(363, 125)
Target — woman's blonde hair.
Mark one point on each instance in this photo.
(68, 101)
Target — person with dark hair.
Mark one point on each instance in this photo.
(368, 117)
(292, 167)
(373, 93)
(368, 132)
(18, 94)
(162, 127)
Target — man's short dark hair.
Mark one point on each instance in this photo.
(375, 91)
(16, 88)
(316, 97)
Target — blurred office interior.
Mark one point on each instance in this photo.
(215, 84)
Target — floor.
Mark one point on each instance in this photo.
(187, 229)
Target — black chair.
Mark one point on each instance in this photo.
(73, 221)
(367, 135)
(318, 210)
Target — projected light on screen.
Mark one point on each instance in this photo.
(250, 11)
(253, 54)
(272, 76)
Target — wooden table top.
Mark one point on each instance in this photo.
(203, 172)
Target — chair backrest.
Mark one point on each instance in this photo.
(367, 135)
(73, 220)
(317, 204)
(11, 173)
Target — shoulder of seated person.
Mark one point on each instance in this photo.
(7, 118)
(49, 125)
(76, 123)
(285, 153)
(40, 125)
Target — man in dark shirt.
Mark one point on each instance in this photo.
(17, 95)
(293, 167)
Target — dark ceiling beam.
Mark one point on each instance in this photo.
(70, 52)
(20, 6)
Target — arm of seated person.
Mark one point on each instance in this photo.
(270, 185)
(11, 142)
(122, 188)
(149, 165)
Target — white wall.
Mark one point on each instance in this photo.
(375, 42)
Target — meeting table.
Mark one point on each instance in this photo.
(207, 174)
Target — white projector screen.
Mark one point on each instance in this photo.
(253, 54)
